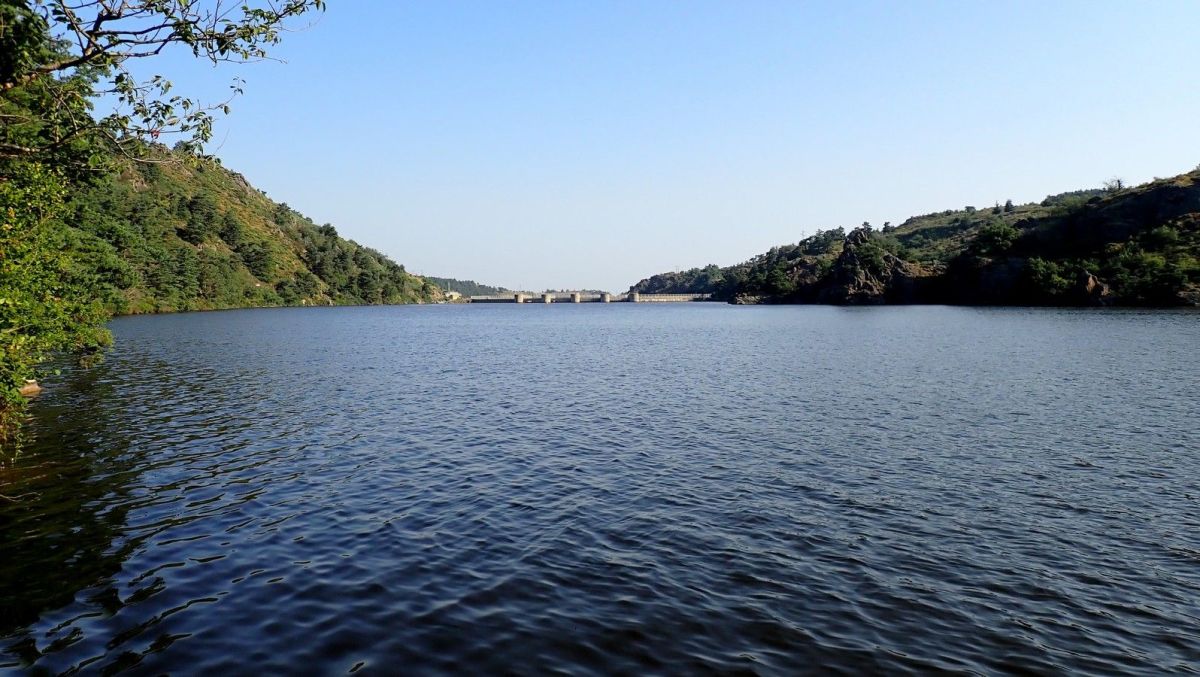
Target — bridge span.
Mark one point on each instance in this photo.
(580, 297)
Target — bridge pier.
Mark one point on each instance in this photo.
(605, 297)
(635, 297)
(547, 298)
(519, 298)
(575, 298)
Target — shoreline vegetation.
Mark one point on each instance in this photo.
(180, 233)
(1114, 246)
(166, 233)
(79, 240)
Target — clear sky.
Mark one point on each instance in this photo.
(591, 144)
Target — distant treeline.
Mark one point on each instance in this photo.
(465, 287)
(1111, 246)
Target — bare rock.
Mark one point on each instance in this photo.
(866, 274)
(1093, 291)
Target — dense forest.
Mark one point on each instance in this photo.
(1118, 245)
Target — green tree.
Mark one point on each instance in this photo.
(233, 231)
(1045, 281)
(56, 58)
(59, 53)
(258, 259)
(204, 218)
(994, 239)
(45, 303)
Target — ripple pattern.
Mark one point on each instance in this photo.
(614, 489)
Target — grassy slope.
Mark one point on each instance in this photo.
(177, 236)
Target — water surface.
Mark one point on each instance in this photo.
(614, 488)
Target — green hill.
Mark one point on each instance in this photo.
(166, 233)
(175, 235)
(1119, 246)
(86, 231)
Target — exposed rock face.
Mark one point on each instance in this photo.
(866, 274)
(1092, 291)
(242, 183)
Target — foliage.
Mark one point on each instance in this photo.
(822, 242)
(1145, 277)
(1046, 281)
(100, 218)
(1119, 245)
(704, 280)
(178, 236)
(157, 238)
(59, 54)
(465, 287)
(45, 299)
(777, 273)
(994, 239)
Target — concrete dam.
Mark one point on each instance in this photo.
(579, 297)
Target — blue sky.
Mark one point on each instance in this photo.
(590, 144)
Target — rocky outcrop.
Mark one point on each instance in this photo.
(867, 274)
(1092, 291)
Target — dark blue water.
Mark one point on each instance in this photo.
(614, 488)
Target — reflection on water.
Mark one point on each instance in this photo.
(613, 488)
(61, 530)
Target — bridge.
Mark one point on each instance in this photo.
(580, 297)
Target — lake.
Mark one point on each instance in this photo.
(621, 488)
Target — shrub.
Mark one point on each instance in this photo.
(1044, 280)
(994, 239)
(46, 305)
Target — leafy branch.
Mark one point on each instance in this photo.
(58, 51)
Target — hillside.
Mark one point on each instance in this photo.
(174, 235)
(1120, 246)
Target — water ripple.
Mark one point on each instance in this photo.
(614, 489)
